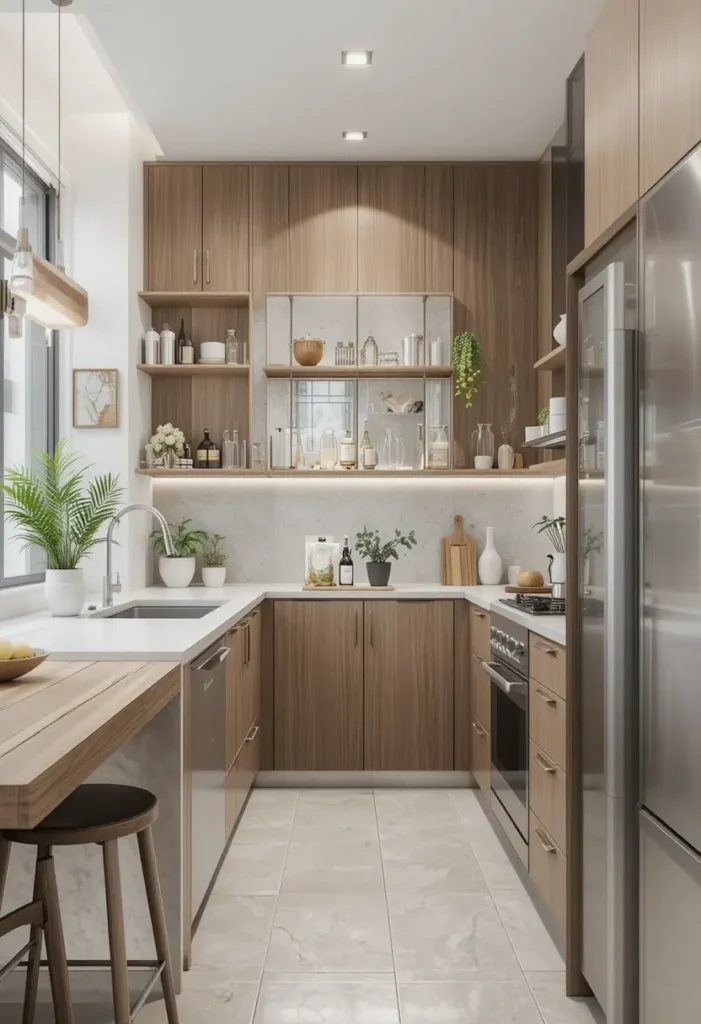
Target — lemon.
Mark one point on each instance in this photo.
(5, 650)
(21, 651)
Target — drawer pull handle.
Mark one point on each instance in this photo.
(546, 698)
(194, 266)
(479, 614)
(543, 763)
(552, 651)
(479, 730)
(252, 734)
(545, 842)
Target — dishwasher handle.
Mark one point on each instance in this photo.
(221, 654)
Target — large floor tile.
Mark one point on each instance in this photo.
(534, 948)
(268, 817)
(316, 932)
(450, 938)
(251, 869)
(476, 1002)
(548, 988)
(209, 996)
(468, 808)
(415, 809)
(316, 1002)
(420, 864)
(346, 866)
(333, 808)
(233, 935)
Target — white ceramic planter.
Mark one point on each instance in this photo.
(64, 590)
(490, 565)
(214, 576)
(505, 457)
(560, 332)
(176, 572)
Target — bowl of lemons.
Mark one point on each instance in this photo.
(16, 659)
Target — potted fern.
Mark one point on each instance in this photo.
(377, 555)
(177, 570)
(213, 561)
(53, 508)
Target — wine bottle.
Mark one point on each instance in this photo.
(368, 455)
(345, 566)
(181, 341)
(203, 451)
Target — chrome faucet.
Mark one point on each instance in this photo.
(110, 588)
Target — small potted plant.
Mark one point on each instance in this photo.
(544, 421)
(467, 361)
(177, 570)
(213, 561)
(377, 555)
(53, 508)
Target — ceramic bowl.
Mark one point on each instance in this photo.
(308, 351)
(14, 668)
(213, 350)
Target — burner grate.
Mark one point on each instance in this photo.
(536, 604)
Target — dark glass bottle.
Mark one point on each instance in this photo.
(345, 566)
(203, 449)
(181, 341)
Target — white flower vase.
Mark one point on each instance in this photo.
(490, 565)
(64, 591)
(560, 332)
(505, 457)
(176, 572)
(214, 575)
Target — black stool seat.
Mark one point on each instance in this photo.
(93, 813)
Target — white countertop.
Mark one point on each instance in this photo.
(90, 636)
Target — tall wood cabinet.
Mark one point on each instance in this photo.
(480, 699)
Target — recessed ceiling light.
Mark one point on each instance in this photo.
(356, 58)
(355, 136)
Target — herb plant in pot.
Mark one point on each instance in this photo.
(213, 561)
(377, 555)
(177, 570)
(53, 508)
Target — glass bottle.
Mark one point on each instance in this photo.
(187, 353)
(438, 448)
(233, 347)
(368, 455)
(227, 461)
(389, 460)
(347, 452)
(181, 341)
(483, 446)
(370, 354)
(203, 451)
(345, 566)
(328, 455)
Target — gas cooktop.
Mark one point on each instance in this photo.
(535, 604)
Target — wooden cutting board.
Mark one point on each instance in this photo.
(459, 558)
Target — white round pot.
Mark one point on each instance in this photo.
(176, 572)
(64, 590)
(214, 575)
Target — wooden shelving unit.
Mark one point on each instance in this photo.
(545, 469)
(196, 370)
(326, 372)
(554, 361)
(197, 300)
(549, 442)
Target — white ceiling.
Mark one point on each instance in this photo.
(262, 79)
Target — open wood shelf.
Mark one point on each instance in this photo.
(196, 370)
(553, 469)
(352, 372)
(197, 300)
(554, 360)
(557, 467)
(547, 442)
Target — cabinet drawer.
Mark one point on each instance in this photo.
(247, 765)
(548, 870)
(481, 755)
(548, 794)
(548, 664)
(548, 722)
(481, 693)
(479, 631)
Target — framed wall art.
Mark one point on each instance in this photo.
(95, 398)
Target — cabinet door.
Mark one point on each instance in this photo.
(235, 727)
(480, 722)
(318, 685)
(174, 229)
(670, 85)
(225, 228)
(408, 685)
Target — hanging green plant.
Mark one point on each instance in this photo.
(467, 360)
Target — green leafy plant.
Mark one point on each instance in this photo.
(591, 542)
(371, 548)
(213, 554)
(554, 529)
(53, 507)
(186, 542)
(467, 360)
(543, 416)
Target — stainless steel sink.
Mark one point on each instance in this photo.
(159, 611)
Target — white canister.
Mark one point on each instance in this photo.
(490, 565)
(437, 353)
(505, 457)
(558, 415)
(167, 346)
(532, 433)
(152, 348)
(412, 349)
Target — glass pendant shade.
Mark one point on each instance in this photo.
(22, 270)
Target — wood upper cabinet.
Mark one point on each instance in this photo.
(173, 228)
(670, 85)
(391, 232)
(318, 685)
(323, 229)
(225, 228)
(611, 149)
(408, 685)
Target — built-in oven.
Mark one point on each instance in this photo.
(508, 672)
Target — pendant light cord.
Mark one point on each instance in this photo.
(59, 240)
(24, 115)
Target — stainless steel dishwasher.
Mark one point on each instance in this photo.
(208, 753)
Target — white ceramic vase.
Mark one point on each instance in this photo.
(64, 591)
(505, 457)
(490, 565)
(214, 575)
(558, 568)
(176, 572)
(560, 332)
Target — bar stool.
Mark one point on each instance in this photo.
(104, 814)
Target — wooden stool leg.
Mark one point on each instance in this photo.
(36, 934)
(158, 919)
(4, 865)
(115, 927)
(53, 935)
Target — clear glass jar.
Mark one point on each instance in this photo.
(439, 448)
(483, 446)
(234, 348)
(370, 354)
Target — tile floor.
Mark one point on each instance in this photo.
(362, 907)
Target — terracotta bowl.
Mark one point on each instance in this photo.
(14, 668)
(308, 351)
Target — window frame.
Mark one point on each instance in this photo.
(7, 247)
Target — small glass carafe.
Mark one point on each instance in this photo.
(483, 446)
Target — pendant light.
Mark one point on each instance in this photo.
(53, 300)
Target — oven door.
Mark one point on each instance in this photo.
(510, 743)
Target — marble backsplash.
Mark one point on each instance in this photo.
(265, 521)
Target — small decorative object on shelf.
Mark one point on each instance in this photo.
(483, 446)
(555, 530)
(560, 332)
(389, 359)
(167, 346)
(505, 455)
(258, 456)
(370, 354)
(543, 418)
(321, 556)
(557, 415)
(168, 443)
(328, 454)
(208, 454)
(234, 348)
(439, 448)
(308, 351)
(177, 570)
(436, 353)
(347, 452)
(187, 353)
(346, 576)
(213, 560)
(377, 554)
(181, 340)
(490, 565)
(368, 454)
(467, 360)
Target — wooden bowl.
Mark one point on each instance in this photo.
(308, 351)
(14, 668)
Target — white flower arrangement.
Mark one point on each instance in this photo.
(168, 438)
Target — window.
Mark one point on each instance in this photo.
(28, 394)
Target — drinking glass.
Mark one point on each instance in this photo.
(258, 456)
(329, 449)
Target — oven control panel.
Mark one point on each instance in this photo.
(509, 642)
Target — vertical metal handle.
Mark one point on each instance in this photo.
(207, 265)
(356, 628)
(194, 266)
(371, 636)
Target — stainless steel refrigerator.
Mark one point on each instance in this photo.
(640, 614)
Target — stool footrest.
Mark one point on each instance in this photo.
(16, 960)
(147, 989)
